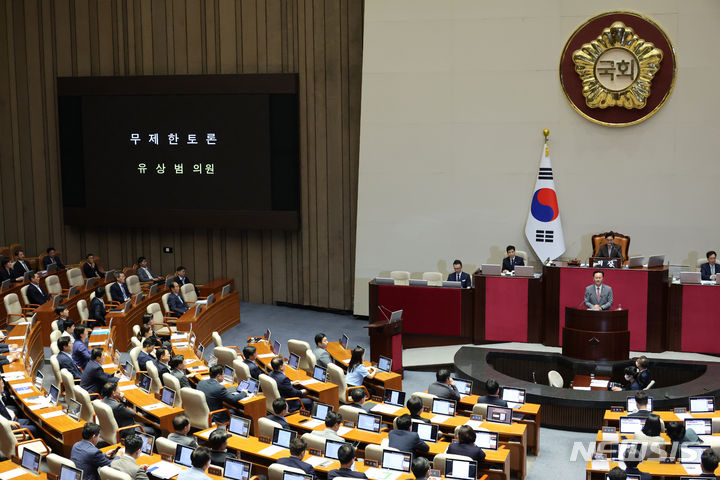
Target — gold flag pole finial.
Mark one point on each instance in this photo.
(546, 133)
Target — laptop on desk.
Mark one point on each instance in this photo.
(690, 278)
(636, 262)
(656, 261)
(491, 269)
(451, 284)
(416, 282)
(524, 271)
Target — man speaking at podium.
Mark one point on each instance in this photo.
(598, 296)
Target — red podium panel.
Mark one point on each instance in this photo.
(693, 318)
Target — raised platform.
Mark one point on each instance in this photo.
(677, 380)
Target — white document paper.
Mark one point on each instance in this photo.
(39, 406)
(474, 424)
(383, 408)
(692, 468)
(309, 381)
(179, 336)
(19, 337)
(9, 376)
(602, 465)
(153, 406)
(312, 423)
(15, 472)
(315, 461)
(22, 385)
(271, 450)
(181, 345)
(440, 419)
(165, 470)
(96, 344)
(100, 331)
(343, 431)
(380, 474)
(611, 437)
(683, 416)
(109, 365)
(125, 388)
(266, 355)
(599, 383)
(56, 413)
(581, 388)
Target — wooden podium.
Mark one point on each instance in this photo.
(596, 335)
(386, 340)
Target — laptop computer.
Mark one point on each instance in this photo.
(109, 276)
(182, 455)
(239, 426)
(73, 409)
(396, 460)
(486, 440)
(394, 397)
(368, 422)
(153, 289)
(276, 347)
(384, 281)
(443, 407)
(702, 404)
(148, 442)
(320, 411)
(70, 473)
(250, 385)
(344, 340)
(139, 298)
(225, 291)
(51, 268)
(636, 262)
(631, 404)
(293, 361)
(282, 437)
(690, 278)
(631, 424)
(228, 374)
(464, 386)
(54, 394)
(30, 460)
(332, 447)
(499, 414)
(515, 397)
(384, 364)
(237, 469)
(690, 458)
(320, 373)
(701, 426)
(145, 382)
(57, 299)
(287, 475)
(524, 271)
(72, 291)
(451, 284)
(168, 396)
(462, 469)
(129, 370)
(427, 432)
(5, 285)
(491, 269)
(39, 377)
(416, 282)
(656, 261)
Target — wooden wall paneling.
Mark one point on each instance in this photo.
(193, 36)
(355, 31)
(279, 267)
(158, 22)
(179, 38)
(267, 259)
(261, 54)
(201, 254)
(247, 42)
(273, 57)
(62, 38)
(228, 34)
(107, 48)
(348, 260)
(82, 39)
(146, 37)
(9, 144)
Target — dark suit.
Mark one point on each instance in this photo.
(24, 422)
(643, 475)
(469, 450)
(492, 400)
(287, 390)
(705, 271)
(644, 378)
(297, 463)
(143, 358)
(182, 281)
(641, 414)
(7, 274)
(184, 382)
(218, 458)
(145, 275)
(97, 311)
(88, 459)
(116, 292)
(177, 304)
(66, 361)
(254, 369)
(418, 418)
(634, 385)
(48, 260)
(367, 406)
(215, 395)
(80, 353)
(443, 390)
(162, 368)
(614, 252)
(279, 419)
(510, 265)
(36, 295)
(93, 377)
(406, 441)
(21, 268)
(124, 417)
(345, 472)
(464, 278)
(90, 272)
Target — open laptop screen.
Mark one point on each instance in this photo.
(426, 431)
(463, 469)
(239, 426)
(320, 411)
(395, 460)
(182, 455)
(237, 469)
(394, 397)
(443, 407)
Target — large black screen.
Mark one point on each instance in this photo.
(180, 151)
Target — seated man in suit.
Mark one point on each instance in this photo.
(11, 413)
(182, 278)
(492, 397)
(346, 457)
(6, 273)
(321, 354)
(119, 291)
(94, 377)
(21, 266)
(459, 275)
(35, 292)
(297, 453)
(162, 357)
(709, 463)
(633, 457)
(144, 274)
(359, 397)
(333, 422)
(65, 359)
(200, 459)
(641, 400)
(124, 416)
(443, 387)
(709, 270)
(218, 447)
(87, 457)
(285, 386)
(420, 468)
(80, 351)
(216, 394)
(610, 249)
(148, 346)
(415, 405)
(97, 311)
(181, 425)
(511, 260)
(127, 462)
(405, 440)
(280, 408)
(175, 301)
(250, 354)
(631, 374)
(178, 370)
(643, 378)
(465, 445)
(598, 296)
(52, 259)
(90, 268)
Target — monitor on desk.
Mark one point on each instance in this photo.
(147, 445)
(384, 364)
(462, 469)
(276, 347)
(499, 414)
(396, 460)
(237, 469)
(228, 374)
(200, 350)
(182, 455)
(57, 299)
(139, 298)
(344, 340)
(145, 383)
(72, 291)
(656, 261)
(491, 269)
(486, 440)
(691, 453)
(54, 394)
(332, 447)
(38, 378)
(368, 422)
(239, 426)
(394, 397)
(89, 283)
(73, 409)
(320, 410)
(427, 432)
(702, 404)
(250, 386)
(384, 281)
(225, 290)
(416, 282)
(443, 407)
(524, 271)
(293, 361)
(5, 285)
(636, 262)
(464, 386)
(129, 370)
(701, 426)
(514, 395)
(282, 437)
(70, 473)
(168, 396)
(210, 299)
(30, 460)
(320, 373)
(631, 404)
(266, 336)
(153, 290)
(198, 307)
(451, 284)
(109, 276)
(618, 450)
(631, 424)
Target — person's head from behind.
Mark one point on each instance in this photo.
(443, 375)
(617, 473)
(641, 399)
(492, 387)
(133, 444)
(420, 467)
(510, 249)
(358, 395)
(346, 455)
(457, 266)
(414, 405)
(321, 340)
(279, 406)
(709, 461)
(181, 424)
(96, 354)
(100, 293)
(675, 431)
(609, 238)
(216, 372)
(277, 364)
(297, 447)
(642, 363)
(218, 440)
(109, 390)
(91, 432)
(404, 422)
(333, 420)
(200, 458)
(466, 434)
(633, 456)
(249, 353)
(653, 426)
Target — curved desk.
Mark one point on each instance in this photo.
(219, 316)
